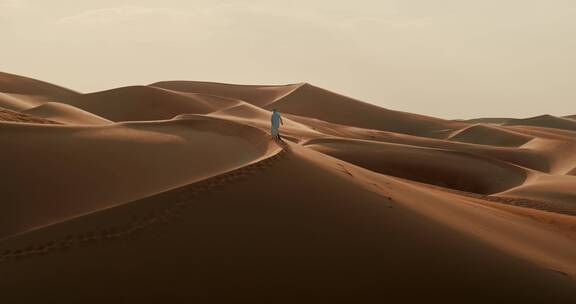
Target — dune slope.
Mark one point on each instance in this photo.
(10, 83)
(315, 102)
(311, 101)
(136, 103)
(13, 116)
(75, 170)
(490, 135)
(252, 115)
(451, 169)
(258, 95)
(66, 114)
(530, 158)
(175, 192)
(547, 121)
(557, 191)
(249, 238)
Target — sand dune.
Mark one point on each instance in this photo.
(547, 121)
(311, 101)
(490, 135)
(545, 133)
(20, 93)
(556, 190)
(260, 118)
(13, 116)
(15, 102)
(176, 191)
(450, 169)
(496, 120)
(533, 159)
(562, 154)
(258, 95)
(107, 165)
(66, 114)
(10, 83)
(250, 242)
(318, 103)
(138, 103)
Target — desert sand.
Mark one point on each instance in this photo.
(175, 192)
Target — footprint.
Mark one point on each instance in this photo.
(344, 170)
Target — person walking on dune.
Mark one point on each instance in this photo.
(275, 121)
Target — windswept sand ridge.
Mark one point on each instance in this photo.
(10, 83)
(17, 103)
(451, 169)
(561, 154)
(66, 114)
(311, 101)
(315, 102)
(107, 165)
(546, 133)
(557, 190)
(260, 118)
(497, 121)
(138, 103)
(13, 116)
(490, 135)
(532, 159)
(509, 203)
(547, 121)
(259, 95)
(20, 93)
(213, 242)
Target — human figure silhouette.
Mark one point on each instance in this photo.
(275, 122)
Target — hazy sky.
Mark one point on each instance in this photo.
(446, 58)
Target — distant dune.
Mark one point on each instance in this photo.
(14, 84)
(259, 95)
(176, 192)
(8, 115)
(490, 135)
(547, 121)
(450, 169)
(495, 120)
(66, 114)
(558, 191)
(139, 103)
(311, 101)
